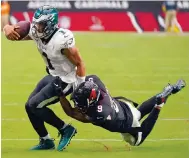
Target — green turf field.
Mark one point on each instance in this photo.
(135, 66)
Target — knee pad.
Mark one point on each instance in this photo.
(30, 106)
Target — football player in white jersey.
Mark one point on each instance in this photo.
(63, 62)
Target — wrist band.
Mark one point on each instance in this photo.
(81, 79)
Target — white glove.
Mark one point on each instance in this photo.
(80, 80)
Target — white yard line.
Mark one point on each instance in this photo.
(175, 119)
(14, 119)
(13, 104)
(22, 83)
(100, 140)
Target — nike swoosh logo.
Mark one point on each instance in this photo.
(99, 117)
(55, 84)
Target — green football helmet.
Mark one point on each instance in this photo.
(45, 21)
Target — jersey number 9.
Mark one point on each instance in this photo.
(99, 108)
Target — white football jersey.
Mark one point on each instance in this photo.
(58, 63)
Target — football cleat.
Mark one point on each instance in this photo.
(178, 86)
(66, 135)
(162, 97)
(44, 144)
(168, 90)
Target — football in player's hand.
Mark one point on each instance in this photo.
(24, 28)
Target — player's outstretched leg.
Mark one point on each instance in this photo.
(149, 122)
(168, 90)
(147, 106)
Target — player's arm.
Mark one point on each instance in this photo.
(11, 34)
(72, 53)
(74, 56)
(73, 112)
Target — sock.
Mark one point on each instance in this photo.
(149, 122)
(63, 127)
(46, 137)
(160, 105)
(147, 106)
